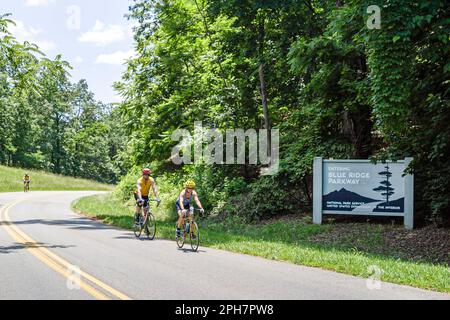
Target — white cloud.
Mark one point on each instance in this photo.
(35, 31)
(28, 33)
(45, 45)
(20, 31)
(102, 35)
(38, 3)
(116, 58)
(78, 60)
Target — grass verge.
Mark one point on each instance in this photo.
(11, 181)
(296, 241)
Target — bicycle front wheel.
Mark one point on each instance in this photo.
(180, 239)
(150, 227)
(137, 229)
(194, 236)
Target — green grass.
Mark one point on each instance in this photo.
(291, 241)
(11, 181)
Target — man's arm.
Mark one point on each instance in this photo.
(139, 188)
(155, 192)
(182, 200)
(197, 200)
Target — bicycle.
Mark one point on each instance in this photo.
(26, 186)
(147, 225)
(189, 227)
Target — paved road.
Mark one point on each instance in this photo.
(49, 252)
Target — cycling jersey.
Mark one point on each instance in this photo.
(145, 186)
(186, 202)
(26, 178)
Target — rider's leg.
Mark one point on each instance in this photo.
(138, 209)
(191, 218)
(138, 213)
(179, 222)
(146, 210)
(180, 219)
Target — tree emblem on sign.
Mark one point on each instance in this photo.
(386, 186)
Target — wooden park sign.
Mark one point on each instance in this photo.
(360, 187)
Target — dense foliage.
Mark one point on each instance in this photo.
(49, 123)
(313, 69)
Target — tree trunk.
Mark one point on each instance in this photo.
(262, 80)
(265, 106)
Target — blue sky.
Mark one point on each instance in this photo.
(94, 36)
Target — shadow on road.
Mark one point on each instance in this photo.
(187, 250)
(77, 224)
(30, 245)
(132, 237)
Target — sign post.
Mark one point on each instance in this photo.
(317, 190)
(360, 187)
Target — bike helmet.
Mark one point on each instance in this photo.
(146, 171)
(189, 184)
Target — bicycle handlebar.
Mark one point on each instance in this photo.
(154, 200)
(195, 209)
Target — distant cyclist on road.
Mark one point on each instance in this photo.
(183, 204)
(142, 192)
(26, 182)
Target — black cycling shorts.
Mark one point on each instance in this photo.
(146, 200)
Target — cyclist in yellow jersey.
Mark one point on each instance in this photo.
(143, 191)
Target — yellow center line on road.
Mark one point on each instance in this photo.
(56, 262)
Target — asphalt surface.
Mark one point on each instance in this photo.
(49, 252)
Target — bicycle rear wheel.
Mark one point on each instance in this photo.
(150, 226)
(194, 236)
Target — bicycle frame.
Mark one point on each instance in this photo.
(192, 231)
(190, 220)
(188, 216)
(148, 210)
(141, 222)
